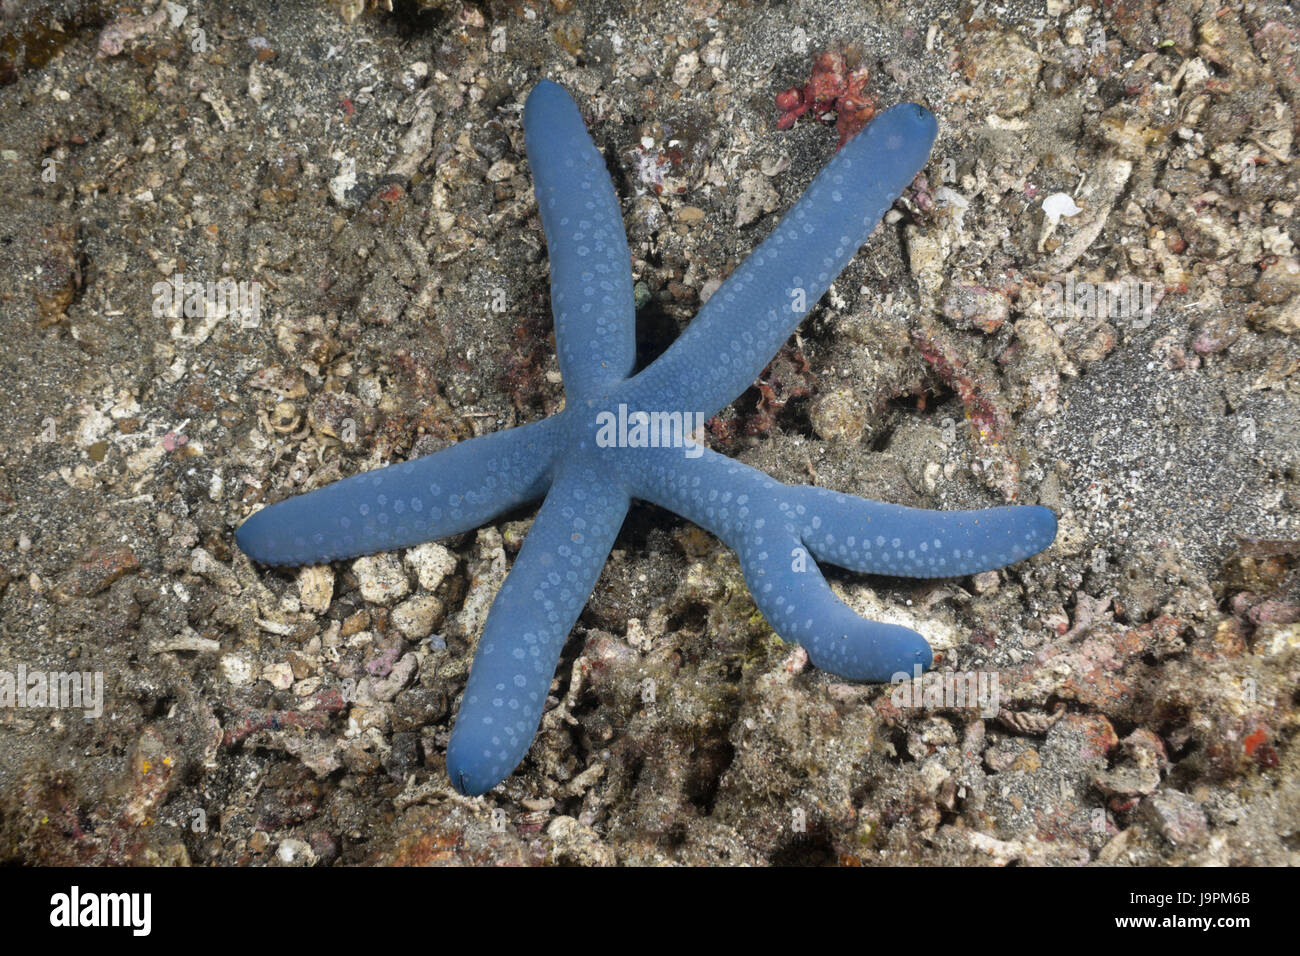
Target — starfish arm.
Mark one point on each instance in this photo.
(591, 272)
(528, 624)
(751, 315)
(879, 538)
(449, 491)
(755, 516)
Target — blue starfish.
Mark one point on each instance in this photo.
(623, 436)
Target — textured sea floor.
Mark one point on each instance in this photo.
(366, 169)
